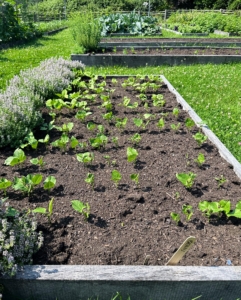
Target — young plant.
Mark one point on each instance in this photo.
(48, 126)
(200, 138)
(220, 180)
(158, 100)
(99, 141)
(38, 161)
(175, 217)
(65, 127)
(107, 105)
(55, 104)
(200, 159)
(161, 124)
(85, 158)
(49, 183)
(116, 177)
(175, 112)
(126, 103)
(135, 178)
(125, 51)
(43, 210)
(208, 208)
(188, 211)
(108, 116)
(121, 123)
(18, 158)
(45, 140)
(31, 141)
(235, 212)
(82, 208)
(4, 184)
(74, 142)
(27, 184)
(135, 139)
(101, 129)
(175, 126)
(82, 115)
(62, 142)
(189, 123)
(90, 126)
(90, 179)
(131, 154)
(186, 179)
(115, 141)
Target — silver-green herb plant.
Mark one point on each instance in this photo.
(19, 238)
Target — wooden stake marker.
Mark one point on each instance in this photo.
(182, 250)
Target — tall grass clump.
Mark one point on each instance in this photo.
(25, 95)
(86, 30)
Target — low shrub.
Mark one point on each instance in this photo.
(26, 93)
(19, 239)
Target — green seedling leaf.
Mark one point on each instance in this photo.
(138, 122)
(49, 182)
(48, 126)
(101, 128)
(45, 140)
(108, 116)
(81, 207)
(90, 179)
(135, 178)
(189, 123)
(200, 138)
(225, 206)
(4, 184)
(11, 212)
(136, 138)
(161, 123)
(85, 158)
(175, 217)
(17, 158)
(116, 176)
(40, 210)
(209, 208)
(82, 115)
(43, 210)
(188, 211)
(73, 142)
(131, 154)
(115, 141)
(107, 157)
(187, 179)
(175, 112)
(220, 180)
(91, 126)
(121, 123)
(175, 126)
(38, 161)
(200, 159)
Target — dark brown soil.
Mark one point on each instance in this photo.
(171, 51)
(130, 222)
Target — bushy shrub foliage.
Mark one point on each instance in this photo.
(20, 103)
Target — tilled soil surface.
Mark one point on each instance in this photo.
(130, 222)
(162, 40)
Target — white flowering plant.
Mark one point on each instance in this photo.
(26, 93)
(19, 239)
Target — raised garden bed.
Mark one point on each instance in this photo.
(187, 33)
(131, 222)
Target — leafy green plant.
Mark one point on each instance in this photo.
(99, 141)
(188, 211)
(55, 104)
(49, 183)
(131, 154)
(208, 207)
(200, 159)
(90, 179)
(74, 142)
(221, 180)
(62, 142)
(91, 126)
(108, 116)
(115, 141)
(121, 123)
(200, 138)
(65, 127)
(82, 115)
(135, 178)
(189, 123)
(45, 140)
(27, 184)
(82, 208)
(176, 217)
(187, 179)
(101, 129)
(31, 141)
(158, 100)
(4, 184)
(85, 158)
(43, 210)
(136, 138)
(48, 126)
(175, 111)
(116, 177)
(18, 158)
(175, 126)
(38, 161)
(235, 212)
(107, 157)
(161, 124)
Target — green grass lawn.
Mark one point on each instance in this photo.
(212, 90)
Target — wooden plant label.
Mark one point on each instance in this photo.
(182, 250)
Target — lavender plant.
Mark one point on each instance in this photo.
(26, 93)
(18, 239)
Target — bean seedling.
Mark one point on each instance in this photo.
(90, 179)
(115, 141)
(18, 158)
(131, 154)
(85, 158)
(200, 159)
(189, 123)
(26, 184)
(200, 138)
(135, 178)
(161, 124)
(4, 184)
(135, 139)
(175, 112)
(38, 161)
(175, 126)
(175, 217)
(49, 183)
(42, 210)
(116, 177)
(186, 179)
(188, 211)
(82, 208)
(220, 180)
